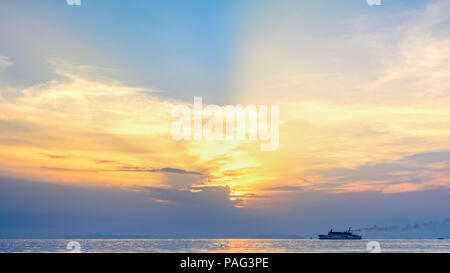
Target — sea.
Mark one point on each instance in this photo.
(224, 245)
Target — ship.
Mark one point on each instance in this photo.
(346, 235)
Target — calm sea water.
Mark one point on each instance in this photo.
(221, 245)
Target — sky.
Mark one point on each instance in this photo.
(86, 94)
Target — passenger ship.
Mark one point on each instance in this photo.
(346, 235)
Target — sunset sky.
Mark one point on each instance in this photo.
(86, 94)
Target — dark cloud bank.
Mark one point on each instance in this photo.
(39, 209)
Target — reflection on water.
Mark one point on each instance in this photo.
(221, 245)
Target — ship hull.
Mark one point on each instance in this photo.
(326, 237)
(340, 238)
